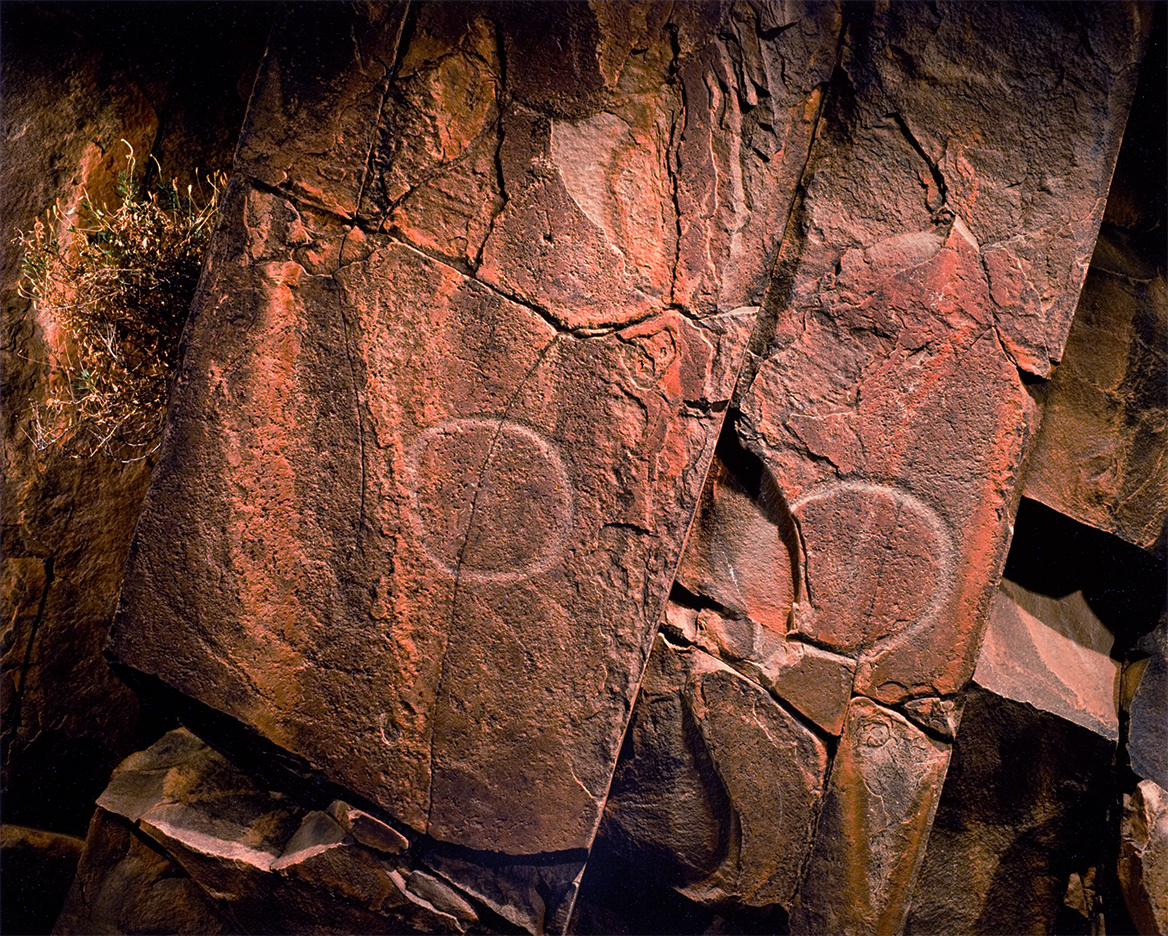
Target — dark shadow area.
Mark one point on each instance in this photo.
(1054, 555)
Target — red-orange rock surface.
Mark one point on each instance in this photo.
(431, 511)
(436, 468)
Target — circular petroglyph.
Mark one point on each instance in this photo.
(491, 499)
(878, 562)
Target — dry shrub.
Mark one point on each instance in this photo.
(118, 285)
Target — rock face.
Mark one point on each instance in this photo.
(80, 84)
(1143, 857)
(184, 840)
(591, 471)
(434, 486)
(1024, 806)
(1054, 655)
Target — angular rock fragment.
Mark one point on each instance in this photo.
(1099, 455)
(869, 842)
(718, 787)
(1143, 857)
(126, 884)
(1053, 654)
(1024, 805)
(368, 829)
(815, 681)
(238, 853)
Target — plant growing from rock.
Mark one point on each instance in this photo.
(116, 283)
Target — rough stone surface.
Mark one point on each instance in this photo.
(869, 841)
(1024, 806)
(125, 884)
(468, 333)
(719, 786)
(237, 852)
(1053, 654)
(1143, 857)
(38, 871)
(930, 258)
(422, 394)
(77, 80)
(367, 829)
(1100, 455)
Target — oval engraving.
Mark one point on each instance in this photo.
(492, 501)
(878, 561)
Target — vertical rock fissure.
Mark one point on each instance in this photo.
(458, 560)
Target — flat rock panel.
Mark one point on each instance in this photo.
(407, 456)
(885, 783)
(1054, 654)
(934, 261)
(1099, 456)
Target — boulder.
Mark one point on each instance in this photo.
(1143, 857)
(1024, 806)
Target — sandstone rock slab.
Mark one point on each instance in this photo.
(419, 475)
(928, 248)
(869, 841)
(1053, 654)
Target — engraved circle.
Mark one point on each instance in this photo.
(879, 561)
(490, 499)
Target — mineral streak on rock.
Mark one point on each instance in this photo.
(432, 504)
(885, 784)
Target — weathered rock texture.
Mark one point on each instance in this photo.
(434, 491)
(1024, 806)
(80, 83)
(468, 505)
(1143, 857)
(185, 841)
(861, 509)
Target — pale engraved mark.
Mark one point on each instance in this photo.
(491, 500)
(848, 493)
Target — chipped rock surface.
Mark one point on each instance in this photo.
(485, 520)
(1143, 857)
(226, 855)
(1053, 654)
(930, 259)
(719, 786)
(885, 784)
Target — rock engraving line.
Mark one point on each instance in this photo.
(540, 508)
